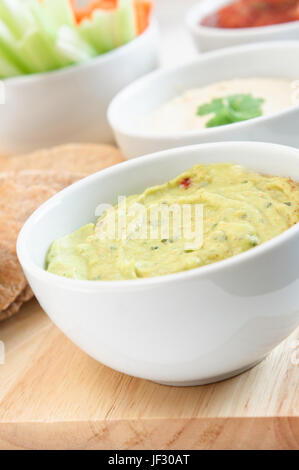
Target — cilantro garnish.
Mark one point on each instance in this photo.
(233, 108)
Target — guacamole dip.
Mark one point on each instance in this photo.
(240, 210)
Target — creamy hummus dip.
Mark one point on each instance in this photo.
(181, 113)
(241, 210)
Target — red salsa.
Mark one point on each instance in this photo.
(253, 13)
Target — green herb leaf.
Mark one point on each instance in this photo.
(214, 106)
(231, 109)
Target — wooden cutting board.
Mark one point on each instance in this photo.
(53, 396)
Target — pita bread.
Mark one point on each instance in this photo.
(12, 279)
(20, 194)
(9, 230)
(25, 183)
(37, 177)
(25, 296)
(75, 158)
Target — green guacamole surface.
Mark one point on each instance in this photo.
(241, 210)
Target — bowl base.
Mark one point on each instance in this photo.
(211, 380)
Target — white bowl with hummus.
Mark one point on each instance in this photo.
(162, 110)
(208, 38)
(189, 328)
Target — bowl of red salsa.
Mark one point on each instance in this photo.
(225, 23)
(253, 13)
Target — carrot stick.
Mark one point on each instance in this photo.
(82, 13)
(143, 9)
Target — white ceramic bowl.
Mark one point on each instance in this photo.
(270, 60)
(70, 105)
(188, 328)
(208, 39)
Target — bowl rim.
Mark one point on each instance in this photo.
(198, 273)
(129, 91)
(195, 11)
(101, 59)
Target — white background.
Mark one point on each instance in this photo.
(176, 43)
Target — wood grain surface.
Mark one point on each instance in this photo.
(53, 396)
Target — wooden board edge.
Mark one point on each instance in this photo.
(184, 434)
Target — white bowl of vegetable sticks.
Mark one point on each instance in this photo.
(67, 103)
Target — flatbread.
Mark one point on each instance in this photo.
(25, 296)
(37, 178)
(12, 279)
(75, 158)
(9, 230)
(21, 193)
(26, 182)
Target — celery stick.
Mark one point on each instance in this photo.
(48, 30)
(38, 37)
(125, 22)
(110, 29)
(99, 31)
(39, 53)
(8, 45)
(60, 11)
(40, 18)
(72, 46)
(7, 68)
(15, 16)
(24, 18)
